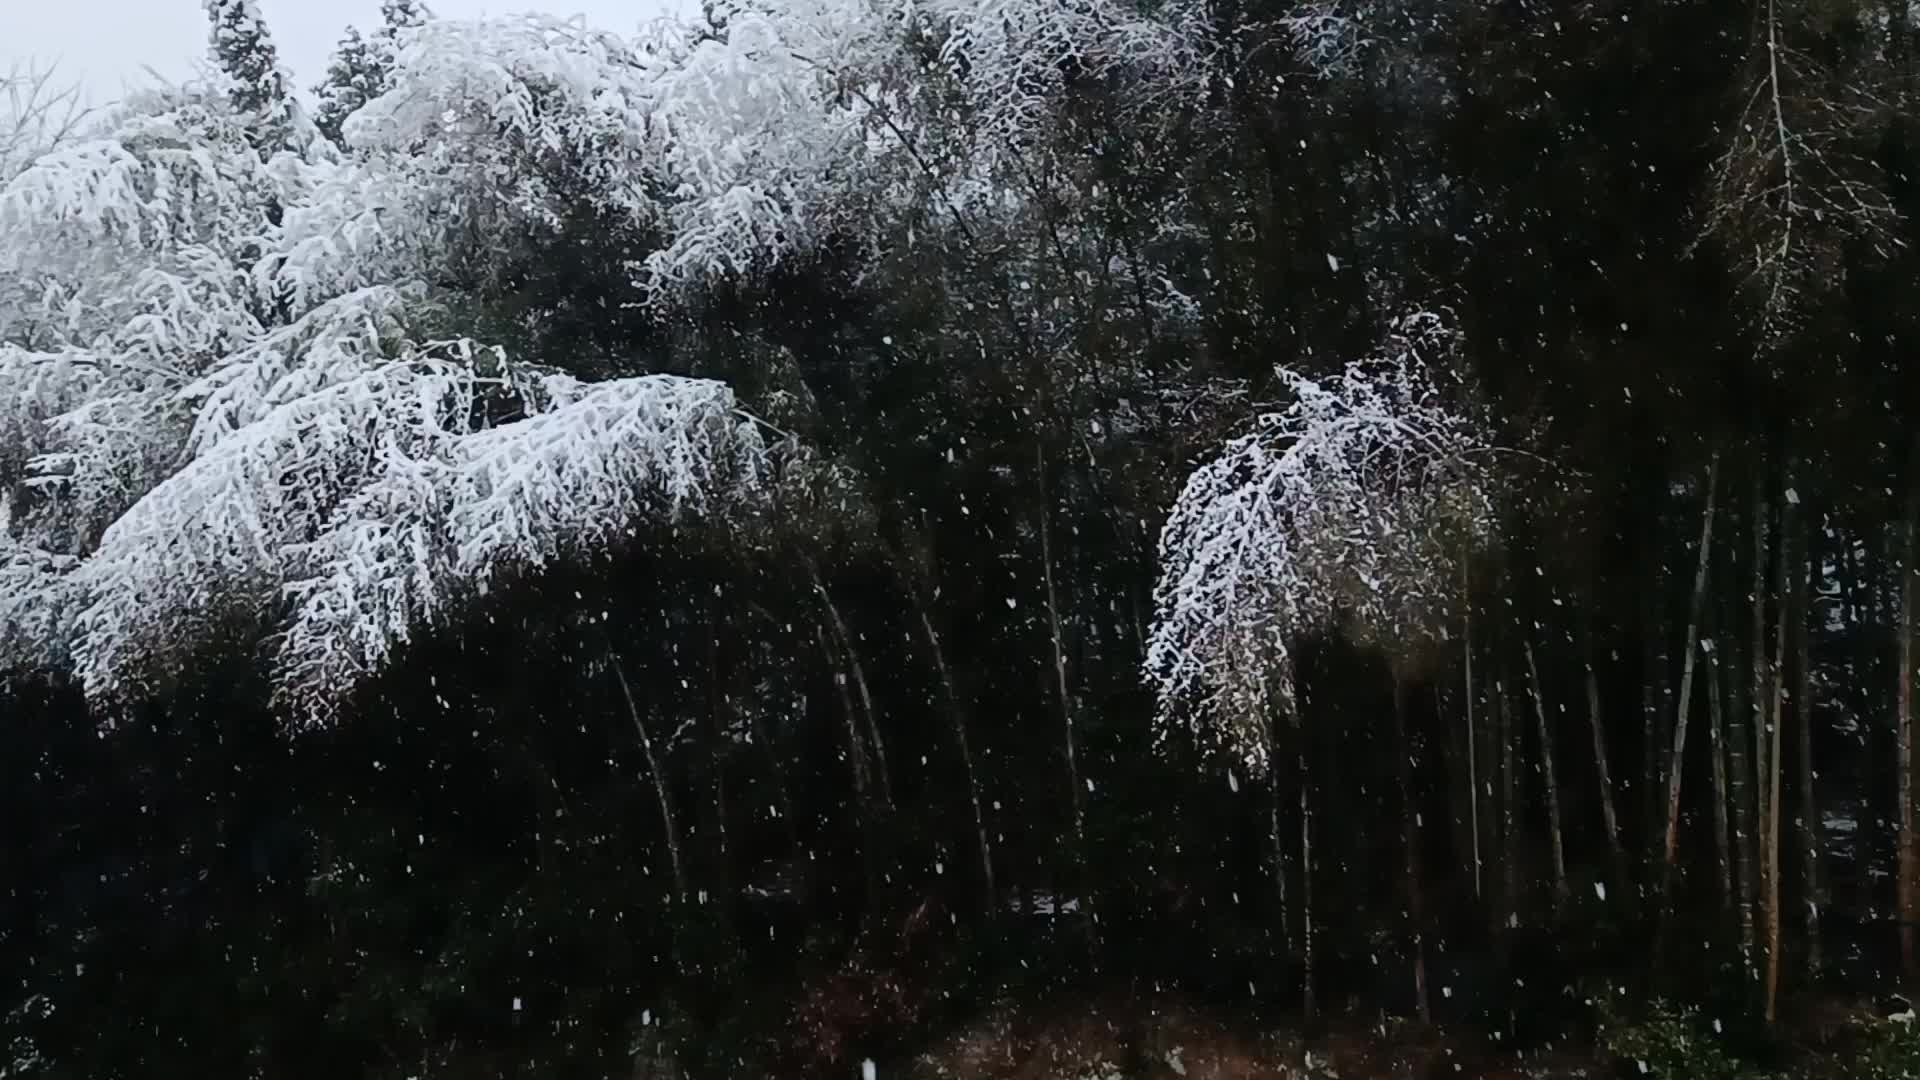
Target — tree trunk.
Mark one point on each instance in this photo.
(859, 672)
(660, 788)
(1739, 748)
(1908, 873)
(1677, 758)
(719, 873)
(1410, 840)
(1473, 735)
(1775, 732)
(1609, 815)
(1509, 796)
(1722, 828)
(1309, 1003)
(1650, 787)
(1561, 891)
(1076, 793)
(1656, 700)
(856, 765)
(1276, 841)
(958, 719)
(1757, 714)
(1811, 826)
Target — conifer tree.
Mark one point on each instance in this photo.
(258, 86)
(356, 76)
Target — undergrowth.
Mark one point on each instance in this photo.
(1680, 1042)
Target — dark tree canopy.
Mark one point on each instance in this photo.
(747, 548)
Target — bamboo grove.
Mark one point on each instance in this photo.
(925, 329)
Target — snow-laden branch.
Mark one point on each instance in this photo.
(1798, 181)
(1344, 512)
(38, 113)
(205, 551)
(498, 110)
(35, 595)
(1329, 36)
(337, 341)
(803, 119)
(584, 477)
(221, 409)
(170, 172)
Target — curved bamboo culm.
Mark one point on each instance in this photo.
(1561, 891)
(859, 673)
(660, 788)
(1671, 847)
(958, 720)
(1609, 815)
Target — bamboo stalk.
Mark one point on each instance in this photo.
(1473, 777)
(1276, 844)
(1739, 740)
(1077, 796)
(859, 672)
(1561, 891)
(1811, 826)
(1776, 730)
(1609, 814)
(1908, 873)
(1757, 714)
(1509, 798)
(856, 764)
(659, 777)
(958, 720)
(1722, 828)
(1677, 757)
(1410, 840)
(1310, 1000)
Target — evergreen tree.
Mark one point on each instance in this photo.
(400, 15)
(258, 86)
(357, 75)
(362, 68)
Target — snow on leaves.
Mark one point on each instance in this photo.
(206, 547)
(512, 115)
(218, 400)
(1345, 512)
(803, 119)
(35, 592)
(560, 484)
(225, 412)
(374, 504)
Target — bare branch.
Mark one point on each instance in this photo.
(38, 113)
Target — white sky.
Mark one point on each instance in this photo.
(103, 44)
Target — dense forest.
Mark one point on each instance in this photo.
(742, 547)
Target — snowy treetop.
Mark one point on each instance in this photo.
(244, 366)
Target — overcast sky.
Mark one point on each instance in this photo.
(103, 43)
